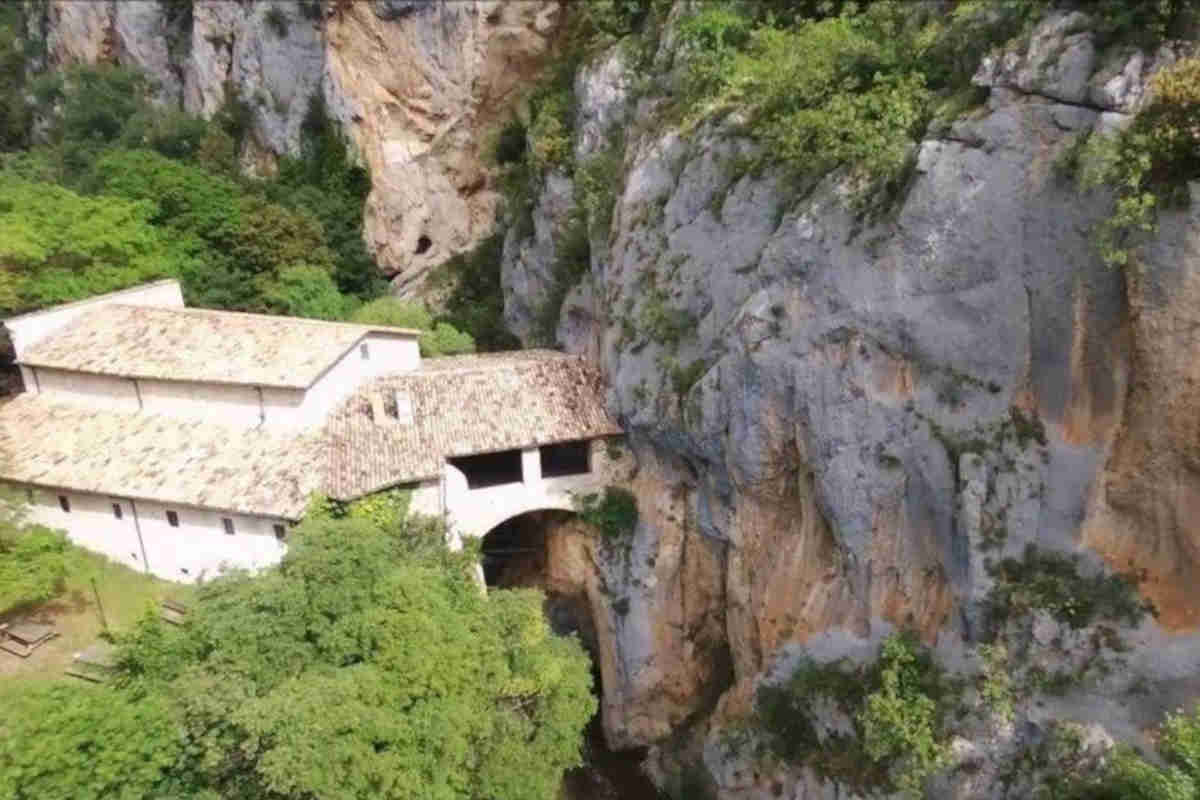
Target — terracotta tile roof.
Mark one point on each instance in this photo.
(152, 457)
(191, 344)
(461, 406)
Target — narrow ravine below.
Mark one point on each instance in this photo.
(514, 555)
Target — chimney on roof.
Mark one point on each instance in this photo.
(404, 410)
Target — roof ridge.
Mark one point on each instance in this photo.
(219, 312)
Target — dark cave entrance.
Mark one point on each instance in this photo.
(515, 554)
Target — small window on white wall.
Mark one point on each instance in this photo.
(117, 514)
(280, 532)
(172, 519)
(364, 351)
(64, 503)
(227, 523)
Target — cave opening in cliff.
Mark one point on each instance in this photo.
(423, 245)
(546, 550)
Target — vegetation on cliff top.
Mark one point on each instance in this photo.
(856, 85)
(367, 664)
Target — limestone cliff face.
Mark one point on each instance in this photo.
(419, 88)
(843, 418)
(836, 422)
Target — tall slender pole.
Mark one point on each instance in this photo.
(99, 606)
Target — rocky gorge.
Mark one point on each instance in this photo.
(843, 422)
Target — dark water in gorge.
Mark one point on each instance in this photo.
(514, 556)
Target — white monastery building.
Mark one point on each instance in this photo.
(186, 441)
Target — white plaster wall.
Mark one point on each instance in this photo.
(474, 512)
(283, 407)
(91, 524)
(27, 329)
(391, 353)
(225, 403)
(426, 499)
(199, 545)
(386, 354)
(95, 391)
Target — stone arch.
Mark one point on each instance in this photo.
(514, 551)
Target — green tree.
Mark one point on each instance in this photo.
(303, 290)
(437, 339)
(367, 665)
(57, 246)
(85, 743)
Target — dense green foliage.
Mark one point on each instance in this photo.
(614, 511)
(475, 302)
(33, 559)
(896, 704)
(1051, 581)
(1128, 776)
(437, 338)
(368, 664)
(117, 190)
(86, 743)
(827, 84)
(1149, 164)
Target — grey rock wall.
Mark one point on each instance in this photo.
(846, 405)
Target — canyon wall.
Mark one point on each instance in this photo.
(853, 418)
(840, 421)
(418, 87)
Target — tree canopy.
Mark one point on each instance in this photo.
(368, 664)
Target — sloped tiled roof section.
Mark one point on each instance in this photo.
(190, 344)
(152, 457)
(462, 406)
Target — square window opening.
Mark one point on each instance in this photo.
(64, 503)
(173, 519)
(280, 532)
(227, 524)
(117, 512)
(490, 469)
(565, 458)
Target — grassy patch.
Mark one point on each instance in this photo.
(125, 595)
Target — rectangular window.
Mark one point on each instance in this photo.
(172, 519)
(565, 458)
(280, 532)
(490, 469)
(117, 510)
(364, 351)
(64, 503)
(227, 523)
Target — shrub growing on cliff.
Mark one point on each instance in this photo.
(1129, 776)
(614, 511)
(1042, 579)
(1150, 164)
(895, 706)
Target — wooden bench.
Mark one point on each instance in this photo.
(173, 611)
(94, 664)
(23, 637)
